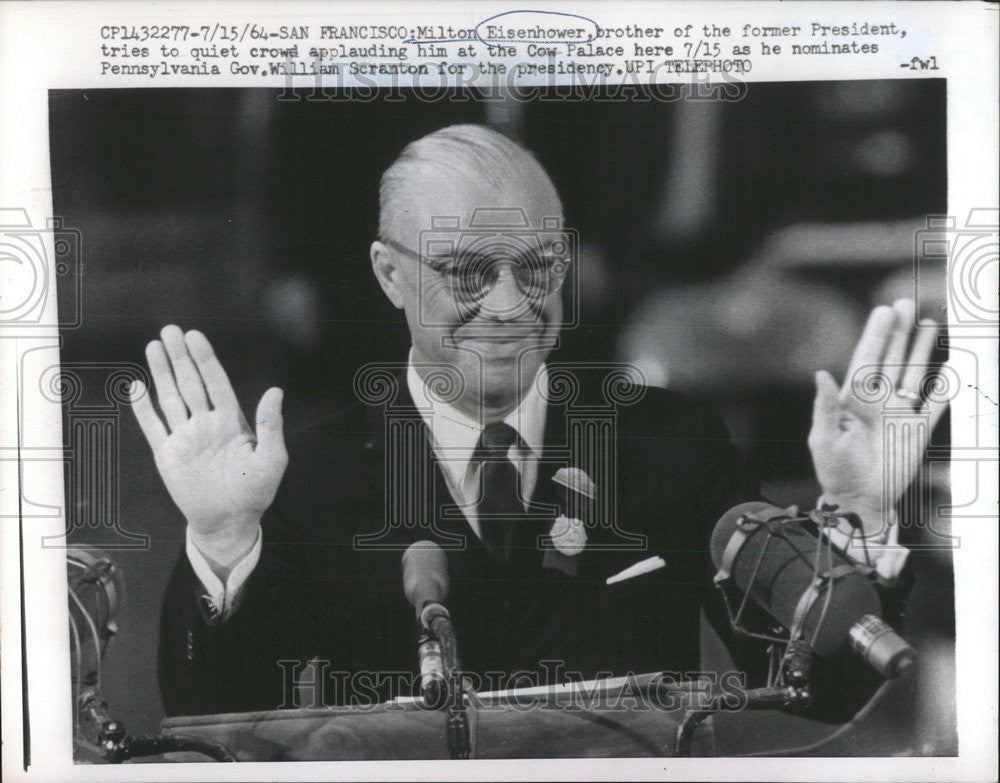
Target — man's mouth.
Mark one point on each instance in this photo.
(506, 346)
(491, 337)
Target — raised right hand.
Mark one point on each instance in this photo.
(221, 476)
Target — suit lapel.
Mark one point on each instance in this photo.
(552, 609)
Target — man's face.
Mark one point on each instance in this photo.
(498, 340)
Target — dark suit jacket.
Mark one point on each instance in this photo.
(364, 484)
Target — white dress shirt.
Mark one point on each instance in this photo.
(219, 600)
(455, 436)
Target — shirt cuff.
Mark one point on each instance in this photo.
(881, 551)
(218, 601)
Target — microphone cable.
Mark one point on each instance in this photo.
(836, 734)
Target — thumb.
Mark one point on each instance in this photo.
(827, 403)
(270, 433)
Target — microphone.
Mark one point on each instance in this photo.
(425, 584)
(96, 590)
(778, 570)
(425, 580)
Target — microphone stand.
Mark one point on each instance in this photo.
(770, 698)
(793, 691)
(436, 619)
(95, 588)
(109, 736)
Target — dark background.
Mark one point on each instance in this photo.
(728, 248)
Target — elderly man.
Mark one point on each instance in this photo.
(539, 481)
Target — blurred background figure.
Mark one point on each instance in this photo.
(728, 248)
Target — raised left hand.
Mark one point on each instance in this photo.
(869, 436)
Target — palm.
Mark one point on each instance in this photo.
(853, 460)
(221, 476)
(869, 436)
(211, 468)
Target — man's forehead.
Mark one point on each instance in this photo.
(438, 198)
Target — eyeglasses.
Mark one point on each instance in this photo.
(472, 274)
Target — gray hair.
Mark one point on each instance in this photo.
(462, 151)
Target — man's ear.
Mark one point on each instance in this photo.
(387, 273)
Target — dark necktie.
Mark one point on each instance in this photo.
(500, 504)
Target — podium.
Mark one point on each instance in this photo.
(622, 717)
(596, 719)
(619, 717)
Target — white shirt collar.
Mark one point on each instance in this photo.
(455, 436)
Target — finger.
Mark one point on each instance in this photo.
(166, 389)
(149, 422)
(244, 427)
(920, 354)
(935, 409)
(826, 408)
(871, 347)
(895, 354)
(270, 434)
(220, 390)
(893, 538)
(189, 382)
(827, 402)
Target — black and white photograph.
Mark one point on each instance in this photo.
(591, 420)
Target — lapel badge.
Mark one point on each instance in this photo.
(568, 536)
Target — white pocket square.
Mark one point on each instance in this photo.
(638, 569)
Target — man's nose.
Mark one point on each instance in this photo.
(505, 301)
